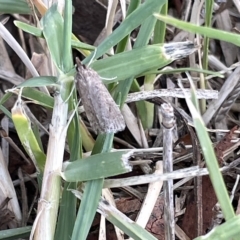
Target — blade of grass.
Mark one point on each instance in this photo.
(146, 109)
(67, 213)
(227, 230)
(67, 35)
(37, 32)
(88, 141)
(92, 193)
(12, 234)
(39, 82)
(117, 218)
(68, 205)
(97, 166)
(170, 52)
(208, 19)
(137, 17)
(160, 27)
(87, 210)
(211, 162)
(75, 43)
(140, 59)
(38, 97)
(14, 6)
(48, 205)
(6, 35)
(26, 135)
(133, 5)
(179, 70)
(52, 23)
(205, 31)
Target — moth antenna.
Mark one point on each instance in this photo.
(78, 62)
(94, 54)
(20, 93)
(108, 79)
(73, 87)
(72, 114)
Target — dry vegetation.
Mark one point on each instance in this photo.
(160, 131)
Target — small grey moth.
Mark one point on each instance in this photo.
(102, 112)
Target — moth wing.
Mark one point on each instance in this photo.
(84, 83)
(109, 116)
(102, 112)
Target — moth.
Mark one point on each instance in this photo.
(102, 112)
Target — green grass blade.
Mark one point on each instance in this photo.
(212, 164)
(146, 109)
(67, 213)
(128, 226)
(29, 28)
(180, 70)
(140, 60)
(39, 33)
(14, 6)
(39, 82)
(38, 97)
(88, 141)
(53, 33)
(92, 192)
(16, 233)
(67, 60)
(117, 218)
(165, 54)
(136, 18)
(86, 213)
(27, 137)
(147, 28)
(4, 98)
(194, 95)
(208, 20)
(227, 230)
(133, 5)
(205, 31)
(160, 27)
(78, 44)
(142, 40)
(68, 204)
(5, 111)
(97, 166)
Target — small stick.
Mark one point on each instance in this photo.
(168, 124)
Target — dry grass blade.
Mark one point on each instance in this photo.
(48, 207)
(178, 174)
(8, 191)
(168, 124)
(151, 197)
(176, 92)
(226, 89)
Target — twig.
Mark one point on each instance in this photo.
(183, 173)
(150, 199)
(177, 92)
(168, 124)
(226, 89)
